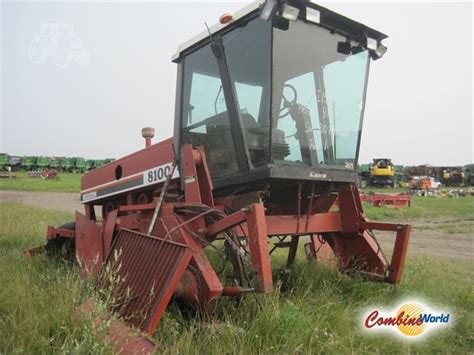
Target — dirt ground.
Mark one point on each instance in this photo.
(426, 237)
(61, 201)
(434, 243)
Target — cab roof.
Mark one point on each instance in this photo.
(328, 19)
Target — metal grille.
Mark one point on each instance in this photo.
(142, 272)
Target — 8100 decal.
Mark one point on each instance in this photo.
(158, 174)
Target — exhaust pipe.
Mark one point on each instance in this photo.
(148, 133)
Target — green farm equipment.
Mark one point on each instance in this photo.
(79, 164)
(90, 164)
(469, 174)
(55, 163)
(66, 164)
(364, 171)
(99, 162)
(27, 162)
(3, 161)
(42, 163)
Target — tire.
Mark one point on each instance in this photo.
(64, 248)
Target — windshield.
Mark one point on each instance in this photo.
(294, 99)
(318, 98)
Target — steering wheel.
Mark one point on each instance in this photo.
(285, 110)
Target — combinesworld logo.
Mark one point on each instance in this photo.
(410, 319)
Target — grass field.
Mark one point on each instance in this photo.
(67, 182)
(319, 312)
(461, 208)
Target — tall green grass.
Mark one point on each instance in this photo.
(319, 311)
(39, 299)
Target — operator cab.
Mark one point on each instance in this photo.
(277, 93)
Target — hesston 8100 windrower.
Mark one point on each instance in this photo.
(269, 108)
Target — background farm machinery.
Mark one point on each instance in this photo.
(239, 171)
(381, 173)
(412, 176)
(40, 163)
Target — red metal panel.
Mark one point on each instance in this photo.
(147, 158)
(204, 178)
(358, 252)
(150, 268)
(350, 208)
(287, 224)
(317, 223)
(210, 287)
(59, 233)
(396, 201)
(195, 190)
(381, 226)
(258, 244)
(108, 231)
(399, 254)
(126, 341)
(135, 208)
(89, 245)
(226, 223)
(121, 337)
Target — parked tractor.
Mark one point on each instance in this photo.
(28, 162)
(451, 176)
(79, 164)
(264, 155)
(67, 164)
(55, 163)
(382, 173)
(42, 163)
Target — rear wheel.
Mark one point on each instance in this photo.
(65, 248)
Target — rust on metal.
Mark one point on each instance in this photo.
(399, 254)
(89, 245)
(148, 270)
(59, 233)
(122, 338)
(108, 231)
(258, 244)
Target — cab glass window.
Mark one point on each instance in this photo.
(205, 121)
